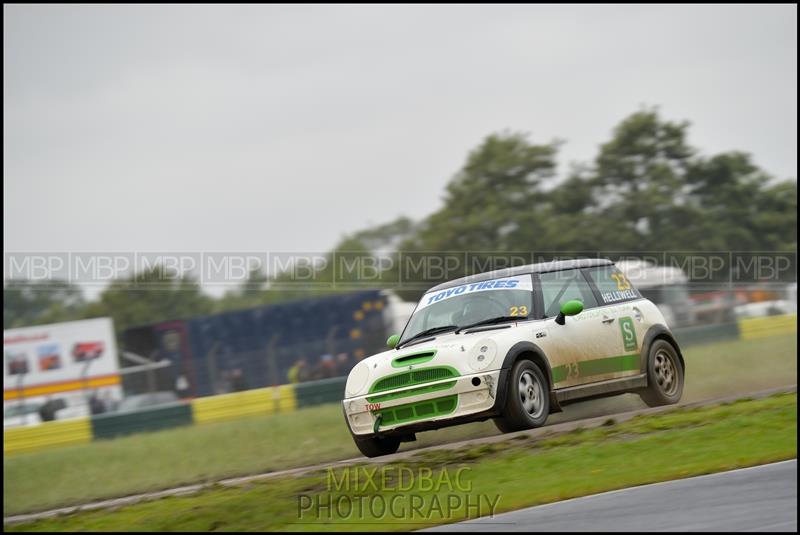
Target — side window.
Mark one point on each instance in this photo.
(613, 285)
(558, 287)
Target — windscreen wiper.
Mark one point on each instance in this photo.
(490, 321)
(427, 332)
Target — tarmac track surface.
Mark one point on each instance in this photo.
(759, 498)
(547, 430)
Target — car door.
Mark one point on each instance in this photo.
(621, 311)
(577, 349)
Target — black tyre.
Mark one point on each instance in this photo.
(664, 375)
(377, 447)
(527, 400)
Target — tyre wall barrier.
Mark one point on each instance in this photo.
(264, 401)
(47, 434)
(247, 403)
(261, 401)
(743, 329)
(318, 392)
(767, 326)
(704, 334)
(129, 422)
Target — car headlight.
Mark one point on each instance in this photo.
(482, 354)
(357, 379)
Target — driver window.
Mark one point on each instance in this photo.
(558, 287)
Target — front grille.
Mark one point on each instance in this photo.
(417, 411)
(424, 389)
(414, 377)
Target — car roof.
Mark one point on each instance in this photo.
(541, 267)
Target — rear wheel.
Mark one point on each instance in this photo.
(527, 400)
(664, 375)
(377, 446)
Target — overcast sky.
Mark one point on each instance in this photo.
(281, 128)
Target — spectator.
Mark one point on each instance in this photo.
(47, 412)
(325, 368)
(182, 386)
(343, 364)
(238, 382)
(96, 405)
(299, 372)
(224, 382)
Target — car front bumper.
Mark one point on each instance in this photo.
(422, 411)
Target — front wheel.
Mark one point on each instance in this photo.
(377, 447)
(527, 401)
(664, 375)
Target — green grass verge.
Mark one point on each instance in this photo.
(165, 459)
(511, 474)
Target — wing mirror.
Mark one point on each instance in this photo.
(392, 341)
(570, 308)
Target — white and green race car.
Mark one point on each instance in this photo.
(513, 345)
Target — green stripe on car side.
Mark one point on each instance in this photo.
(559, 373)
(621, 363)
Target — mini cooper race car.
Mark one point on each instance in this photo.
(513, 345)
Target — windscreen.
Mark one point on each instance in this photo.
(470, 303)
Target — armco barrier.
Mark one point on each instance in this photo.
(318, 392)
(768, 326)
(48, 434)
(126, 423)
(247, 403)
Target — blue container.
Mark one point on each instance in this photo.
(253, 348)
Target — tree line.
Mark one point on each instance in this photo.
(646, 190)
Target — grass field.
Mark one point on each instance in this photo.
(164, 459)
(498, 477)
